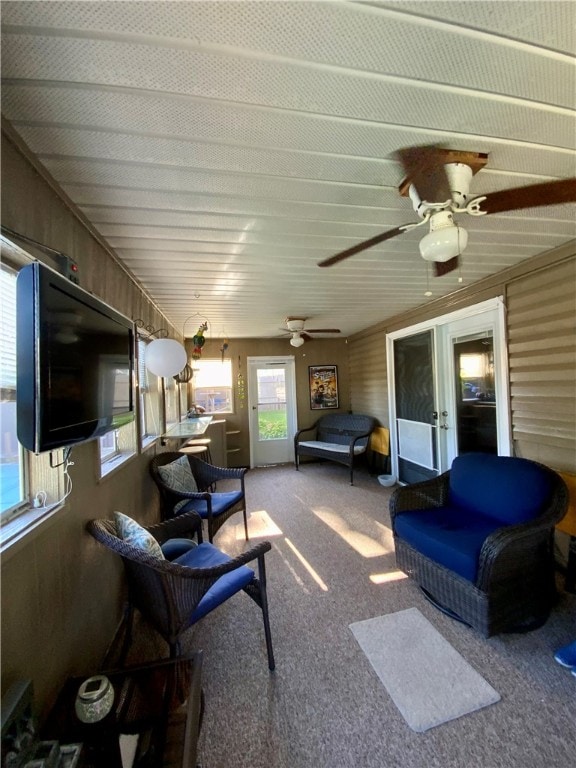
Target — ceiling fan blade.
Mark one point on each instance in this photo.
(424, 167)
(362, 246)
(444, 267)
(534, 196)
(305, 336)
(324, 330)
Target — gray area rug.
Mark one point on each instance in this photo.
(428, 680)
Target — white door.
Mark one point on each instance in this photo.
(272, 409)
(474, 410)
(448, 391)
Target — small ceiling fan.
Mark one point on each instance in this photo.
(295, 329)
(438, 183)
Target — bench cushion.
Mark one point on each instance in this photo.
(331, 447)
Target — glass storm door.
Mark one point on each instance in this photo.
(416, 416)
(271, 400)
(448, 391)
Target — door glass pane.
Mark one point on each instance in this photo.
(272, 418)
(475, 394)
(416, 424)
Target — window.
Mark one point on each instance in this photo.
(116, 447)
(212, 385)
(148, 399)
(12, 456)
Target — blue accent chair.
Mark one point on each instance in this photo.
(198, 495)
(195, 577)
(478, 540)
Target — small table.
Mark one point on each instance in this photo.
(188, 428)
(159, 703)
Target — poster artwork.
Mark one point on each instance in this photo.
(323, 386)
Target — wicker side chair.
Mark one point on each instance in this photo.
(173, 594)
(470, 541)
(213, 506)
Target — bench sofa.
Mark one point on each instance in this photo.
(339, 437)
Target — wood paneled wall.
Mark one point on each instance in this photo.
(320, 351)
(61, 590)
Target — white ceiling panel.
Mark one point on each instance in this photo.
(223, 149)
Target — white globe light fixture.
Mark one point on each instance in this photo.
(445, 239)
(296, 340)
(165, 357)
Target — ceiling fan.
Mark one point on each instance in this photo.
(295, 329)
(438, 183)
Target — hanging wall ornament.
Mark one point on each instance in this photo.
(199, 341)
(240, 385)
(223, 348)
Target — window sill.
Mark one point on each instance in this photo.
(148, 442)
(17, 532)
(110, 466)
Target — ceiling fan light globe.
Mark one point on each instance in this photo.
(296, 341)
(443, 244)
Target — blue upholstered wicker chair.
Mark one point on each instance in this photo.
(176, 588)
(186, 483)
(478, 540)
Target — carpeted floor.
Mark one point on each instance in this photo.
(332, 564)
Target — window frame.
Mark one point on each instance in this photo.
(8, 338)
(149, 399)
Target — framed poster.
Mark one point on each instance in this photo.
(323, 380)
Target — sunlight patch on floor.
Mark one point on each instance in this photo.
(260, 526)
(384, 578)
(307, 565)
(374, 542)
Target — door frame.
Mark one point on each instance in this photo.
(489, 314)
(289, 361)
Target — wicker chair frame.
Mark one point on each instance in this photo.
(515, 585)
(206, 476)
(166, 593)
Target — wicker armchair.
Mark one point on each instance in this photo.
(174, 593)
(478, 540)
(214, 507)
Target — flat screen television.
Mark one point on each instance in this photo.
(75, 362)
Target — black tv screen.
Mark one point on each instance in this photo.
(75, 362)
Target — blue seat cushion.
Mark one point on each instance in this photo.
(449, 536)
(506, 488)
(221, 502)
(207, 556)
(173, 548)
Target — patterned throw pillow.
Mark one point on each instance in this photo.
(133, 533)
(178, 476)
